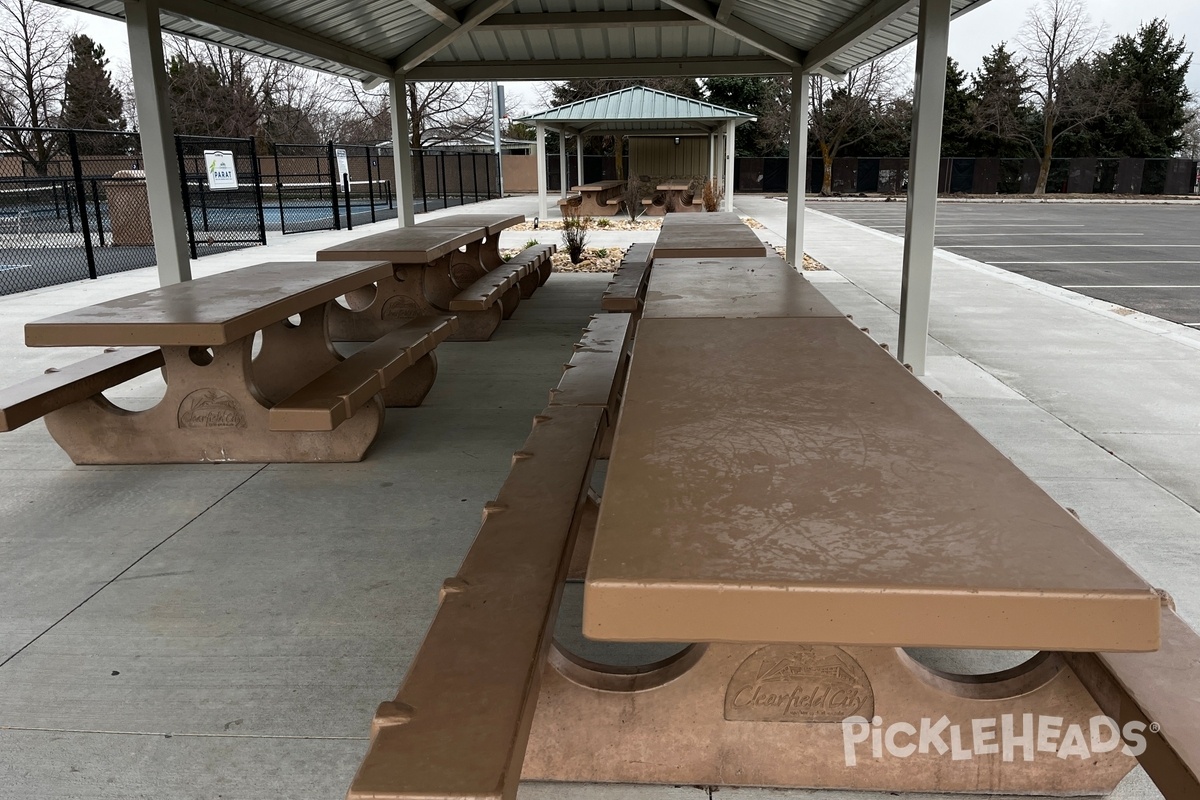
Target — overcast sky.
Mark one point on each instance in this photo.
(971, 36)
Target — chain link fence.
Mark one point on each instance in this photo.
(74, 205)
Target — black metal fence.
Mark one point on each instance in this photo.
(330, 186)
(64, 198)
(983, 176)
(445, 179)
(225, 218)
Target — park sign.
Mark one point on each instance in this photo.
(222, 174)
(343, 165)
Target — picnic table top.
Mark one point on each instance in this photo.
(707, 218)
(786, 480)
(732, 287)
(494, 223)
(674, 186)
(213, 310)
(721, 240)
(415, 245)
(597, 186)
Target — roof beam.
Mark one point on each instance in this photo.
(235, 19)
(438, 10)
(591, 19)
(740, 29)
(596, 68)
(875, 16)
(725, 11)
(472, 17)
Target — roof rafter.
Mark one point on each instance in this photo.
(472, 17)
(725, 10)
(590, 19)
(438, 10)
(242, 21)
(739, 29)
(596, 68)
(875, 16)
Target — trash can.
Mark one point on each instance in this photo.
(129, 209)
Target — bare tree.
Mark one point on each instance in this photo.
(440, 113)
(1191, 132)
(846, 112)
(34, 49)
(1059, 40)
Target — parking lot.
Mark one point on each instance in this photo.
(1143, 256)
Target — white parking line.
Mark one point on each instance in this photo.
(1098, 263)
(1047, 246)
(1043, 233)
(1130, 286)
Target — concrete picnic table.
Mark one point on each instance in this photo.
(595, 198)
(219, 393)
(720, 238)
(485, 251)
(788, 500)
(424, 259)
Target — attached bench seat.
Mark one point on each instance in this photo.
(460, 723)
(539, 257)
(57, 388)
(627, 290)
(337, 394)
(598, 364)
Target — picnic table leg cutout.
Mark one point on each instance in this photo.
(277, 373)
(213, 411)
(510, 300)
(468, 267)
(771, 715)
(409, 390)
(413, 291)
(530, 283)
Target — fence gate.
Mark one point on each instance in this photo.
(223, 212)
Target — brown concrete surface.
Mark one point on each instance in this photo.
(786, 480)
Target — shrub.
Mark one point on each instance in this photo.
(635, 190)
(532, 243)
(714, 193)
(574, 233)
(601, 252)
(603, 222)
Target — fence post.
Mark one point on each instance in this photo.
(441, 157)
(187, 200)
(424, 187)
(81, 198)
(279, 189)
(333, 186)
(96, 207)
(462, 197)
(346, 189)
(258, 194)
(370, 182)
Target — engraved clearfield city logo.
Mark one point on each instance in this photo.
(210, 408)
(798, 683)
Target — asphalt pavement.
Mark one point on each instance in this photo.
(1142, 256)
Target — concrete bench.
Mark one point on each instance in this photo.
(496, 295)
(400, 367)
(60, 387)
(459, 725)
(627, 290)
(540, 257)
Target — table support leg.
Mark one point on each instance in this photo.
(772, 715)
(214, 411)
(409, 390)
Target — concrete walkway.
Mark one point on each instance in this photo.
(227, 630)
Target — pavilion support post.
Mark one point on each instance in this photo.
(401, 151)
(579, 159)
(562, 162)
(933, 33)
(730, 150)
(543, 209)
(798, 167)
(160, 158)
(712, 155)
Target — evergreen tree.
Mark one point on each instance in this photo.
(750, 95)
(958, 121)
(1001, 118)
(1152, 68)
(90, 101)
